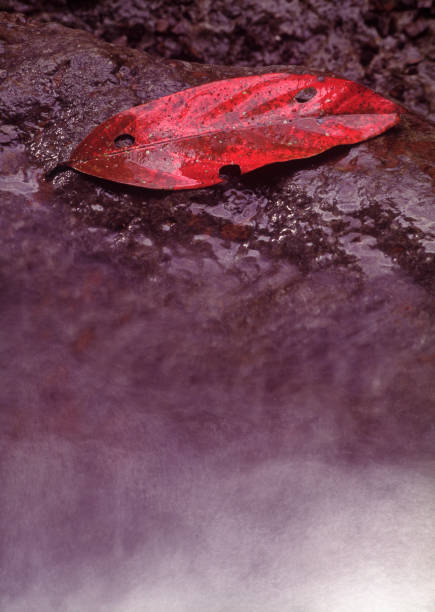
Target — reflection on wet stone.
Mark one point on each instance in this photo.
(220, 399)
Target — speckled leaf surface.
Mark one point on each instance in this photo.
(183, 140)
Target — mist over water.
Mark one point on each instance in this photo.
(114, 530)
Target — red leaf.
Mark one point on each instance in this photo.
(182, 140)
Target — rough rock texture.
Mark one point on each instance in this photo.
(211, 400)
(385, 44)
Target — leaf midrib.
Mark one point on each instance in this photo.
(209, 133)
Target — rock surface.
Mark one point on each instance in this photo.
(211, 400)
(384, 44)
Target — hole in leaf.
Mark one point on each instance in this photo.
(305, 94)
(230, 172)
(124, 140)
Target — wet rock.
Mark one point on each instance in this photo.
(199, 376)
(8, 133)
(351, 38)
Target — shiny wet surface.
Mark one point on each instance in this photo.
(221, 399)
